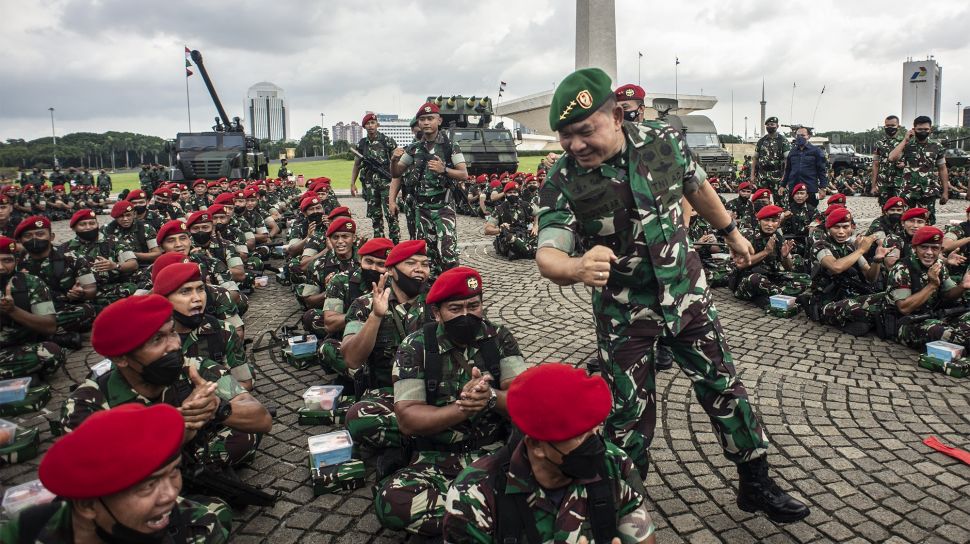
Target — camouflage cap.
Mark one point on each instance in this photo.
(578, 96)
(771, 120)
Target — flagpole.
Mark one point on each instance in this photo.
(639, 63)
(817, 102)
(791, 108)
(188, 107)
(676, 91)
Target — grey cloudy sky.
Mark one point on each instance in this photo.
(118, 64)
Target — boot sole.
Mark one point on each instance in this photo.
(791, 518)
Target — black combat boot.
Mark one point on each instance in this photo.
(69, 340)
(761, 302)
(663, 358)
(857, 328)
(757, 492)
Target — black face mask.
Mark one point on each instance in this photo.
(221, 227)
(631, 115)
(409, 285)
(36, 245)
(201, 238)
(368, 277)
(920, 135)
(771, 130)
(239, 209)
(893, 218)
(891, 131)
(88, 235)
(585, 461)
(262, 193)
(122, 534)
(141, 209)
(464, 328)
(512, 198)
(191, 321)
(165, 370)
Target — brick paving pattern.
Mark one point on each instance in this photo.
(846, 417)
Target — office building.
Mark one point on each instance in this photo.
(267, 113)
(922, 86)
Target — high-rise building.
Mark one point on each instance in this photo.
(400, 130)
(922, 86)
(351, 132)
(267, 112)
(965, 122)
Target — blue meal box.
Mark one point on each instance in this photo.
(13, 390)
(782, 302)
(944, 351)
(330, 449)
(303, 344)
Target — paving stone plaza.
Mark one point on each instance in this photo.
(846, 418)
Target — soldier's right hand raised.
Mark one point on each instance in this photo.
(933, 274)
(594, 266)
(201, 404)
(381, 294)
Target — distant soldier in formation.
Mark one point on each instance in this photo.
(512, 225)
(379, 147)
(768, 160)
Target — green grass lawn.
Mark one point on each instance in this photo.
(337, 170)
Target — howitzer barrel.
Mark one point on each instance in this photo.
(197, 58)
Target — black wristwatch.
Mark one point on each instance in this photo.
(223, 411)
(493, 400)
(731, 227)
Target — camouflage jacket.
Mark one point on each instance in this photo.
(239, 230)
(889, 173)
(323, 266)
(197, 203)
(632, 204)
(256, 220)
(902, 284)
(37, 298)
(140, 237)
(60, 271)
(883, 227)
(201, 523)
(408, 375)
(112, 389)
(771, 151)
(109, 248)
(431, 187)
(217, 340)
(219, 304)
(517, 214)
(919, 172)
(802, 215)
(759, 240)
(400, 321)
(743, 209)
(822, 279)
(471, 510)
(153, 218)
(379, 149)
(341, 291)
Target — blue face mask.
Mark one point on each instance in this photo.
(800, 140)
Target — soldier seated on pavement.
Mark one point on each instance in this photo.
(450, 380)
(303, 229)
(921, 288)
(220, 255)
(377, 323)
(513, 225)
(112, 262)
(138, 335)
(890, 222)
(593, 488)
(139, 201)
(27, 321)
(770, 271)
(117, 478)
(137, 234)
(340, 256)
(759, 199)
(845, 290)
(740, 207)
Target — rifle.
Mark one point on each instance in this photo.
(940, 313)
(372, 164)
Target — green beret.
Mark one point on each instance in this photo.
(771, 120)
(578, 96)
(414, 122)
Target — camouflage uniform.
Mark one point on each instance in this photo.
(140, 237)
(22, 351)
(657, 288)
(215, 443)
(145, 181)
(515, 241)
(217, 341)
(842, 302)
(889, 180)
(413, 498)
(342, 289)
(955, 233)
(771, 150)
(216, 259)
(114, 284)
(436, 214)
(104, 183)
(200, 523)
(882, 227)
(372, 421)
(375, 187)
(909, 276)
(768, 277)
(61, 271)
(743, 209)
(472, 513)
(326, 264)
(920, 180)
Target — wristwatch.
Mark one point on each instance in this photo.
(728, 229)
(223, 411)
(493, 400)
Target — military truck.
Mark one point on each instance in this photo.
(955, 156)
(224, 152)
(701, 136)
(844, 157)
(466, 121)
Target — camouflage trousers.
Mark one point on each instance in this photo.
(407, 205)
(955, 330)
(887, 190)
(762, 285)
(516, 245)
(30, 358)
(915, 200)
(331, 358)
(75, 317)
(371, 421)
(113, 292)
(438, 228)
(227, 446)
(772, 182)
(377, 209)
(703, 355)
(860, 308)
(413, 498)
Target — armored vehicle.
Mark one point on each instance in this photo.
(466, 121)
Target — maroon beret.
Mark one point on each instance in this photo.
(927, 234)
(744, 185)
(34, 222)
(769, 211)
(837, 198)
(799, 187)
(840, 215)
(341, 224)
(894, 201)
(166, 259)
(128, 323)
(175, 275)
(223, 198)
(201, 216)
(82, 214)
(366, 118)
(457, 283)
(405, 250)
(8, 246)
(908, 214)
(630, 92)
(216, 209)
(427, 108)
(543, 400)
(510, 186)
(121, 208)
(307, 202)
(376, 247)
(339, 211)
(760, 193)
(174, 226)
(135, 195)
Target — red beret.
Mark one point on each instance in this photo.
(212, 184)
(799, 187)
(744, 185)
(199, 181)
(366, 118)
(166, 259)
(128, 323)
(174, 226)
(840, 215)
(482, 178)
(630, 92)
(769, 211)
(59, 188)
(236, 195)
(427, 108)
(832, 208)
(542, 402)
(495, 183)
(171, 277)
(216, 209)
(201, 216)
(223, 198)
(894, 201)
(341, 224)
(250, 193)
(307, 202)
(837, 198)
(405, 250)
(308, 194)
(136, 194)
(908, 214)
(162, 191)
(510, 186)
(927, 234)
(34, 222)
(120, 208)
(4, 200)
(760, 193)
(376, 247)
(85, 213)
(8, 246)
(112, 450)
(456, 283)
(339, 211)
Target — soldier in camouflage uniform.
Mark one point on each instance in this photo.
(771, 269)
(768, 161)
(136, 472)
(513, 226)
(401, 194)
(145, 179)
(104, 183)
(27, 320)
(889, 223)
(740, 207)
(377, 323)
(200, 199)
(340, 257)
(922, 167)
(377, 146)
(138, 335)
(309, 225)
(139, 201)
(134, 233)
(8, 218)
(617, 193)
(113, 263)
(454, 419)
(554, 504)
(197, 239)
(886, 176)
(437, 162)
(218, 300)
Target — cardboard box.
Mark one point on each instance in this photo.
(944, 351)
(345, 476)
(14, 390)
(21, 496)
(782, 302)
(330, 449)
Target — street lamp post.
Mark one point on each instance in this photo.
(323, 143)
(746, 128)
(53, 136)
(958, 125)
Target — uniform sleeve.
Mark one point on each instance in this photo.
(694, 175)
(557, 222)
(85, 276)
(511, 362)
(236, 355)
(227, 388)
(469, 509)
(407, 159)
(953, 232)
(40, 298)
(940, 156)
(336, 291)
(946, 280)
(356, 316)
(408, 370)
(81, 403)
(457, 157)
(821, 251)
(634, 524)
(898, 283)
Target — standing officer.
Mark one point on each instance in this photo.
(437, 162)
(923, 167)
(617, 192)
(377, 146)
(806, 164)
(562, 460)
(630, 98)
(104, 182)
(886, 180)
(283, 172)
(768, 161)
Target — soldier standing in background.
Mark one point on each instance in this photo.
(923, 167)
(378, 146)
(768, 161)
